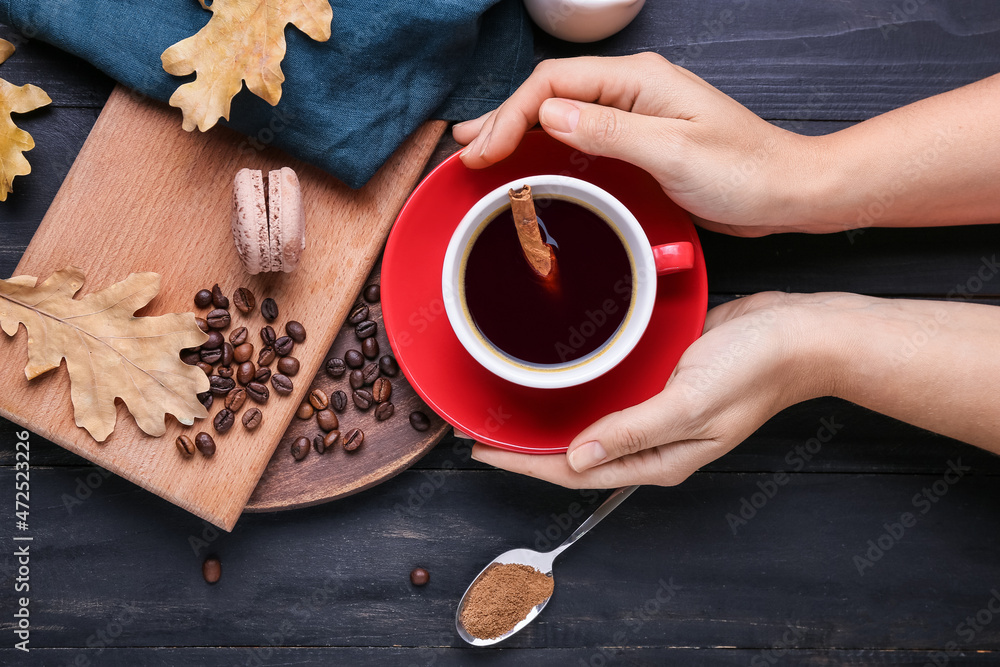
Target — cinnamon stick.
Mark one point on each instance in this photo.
(536, 251)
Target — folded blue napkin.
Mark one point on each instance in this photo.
(347, 103)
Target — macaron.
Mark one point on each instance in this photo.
(268, 220)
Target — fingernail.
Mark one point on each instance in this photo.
(457, 125)
(587, 455)
(559, 115)
(474, 457)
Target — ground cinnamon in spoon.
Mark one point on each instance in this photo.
(502, 597)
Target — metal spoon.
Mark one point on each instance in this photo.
(541, 561)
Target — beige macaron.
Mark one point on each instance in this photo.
(268, 220)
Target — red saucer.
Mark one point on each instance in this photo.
(470, 398)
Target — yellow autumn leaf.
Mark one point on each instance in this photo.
(13, 140)
(243, 41)
(109, 352)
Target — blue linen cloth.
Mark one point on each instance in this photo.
(347, 103)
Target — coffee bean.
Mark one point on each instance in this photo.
(300, 448)
(327, 420)
(354, 359)
(338, 400)
(283, 346)
(305, 410)
(319, 399)
(382, 390)
(259, 393)
(318, 443)
(419, 421)
(211, 356)
(331, 439)
(282, 384)
(384, 410)
(206, 399)
(224, 371)
(184, 444)
(202, 298)
(219, 385)
(245, 372)
(266, 356)
(366, 329)
(243, 353)
(269, 309)
(236, 398)
(370, 373)
(211, 569)
(244, 300)
(252, 419)
(369, 347)
(356, 379)
(335, 367)
(387, 364)
(372, 293)
(239, 336)
(358, 314)
(224, 420)
(362, 399)
(227, 354)
(205, 444)
(296, 331)
(205, 367)
(202, 324)
(215, 341)
(191, 356)
(353, 439)
(268, 336)
(219, 300)
(288, 365)
(262, 375)
(419, 576)
(218, 319)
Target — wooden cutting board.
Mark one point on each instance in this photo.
(144, 195)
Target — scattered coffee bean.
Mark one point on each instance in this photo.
(370, 373)
(358, 314)
(356, 379)
(266, 356)
(252, 419)
(190, 356)
(338, 400)
(300, 448)
(205, 367)
(245, 372)
(384, 410)
(227, 354)
(215, 340)
(282, 384)
(243, 353)
(269, 309)
(283, 346)
(366, 329)
(305, 410)
(262, 375)
(335, 367)
(419, 576)
(184, 444)
(219, 300)
(353, 439)
(318, 444)
(218, 319)
(205, 444)
(419, 421)
(224, 371)
(319, 399)
(206, 399)
(236, 398)
(327, 420)
(224, 420)
(354, 359)
(219, 385)
(288, 365)
(362, 399)
(244, 300)
(211, 569)
(202, 298)
(387, 364)
(211, 356)
(202, 324)
(239, 336)
(369, 347)
(258, 392)
(382, 390)
(296, 331)
(373, 293)
(331, 439)
(268, 336)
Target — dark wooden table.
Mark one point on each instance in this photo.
(115, 572)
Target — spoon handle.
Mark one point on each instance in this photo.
(613, 501)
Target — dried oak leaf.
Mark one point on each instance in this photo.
(13, 140)
(243, 41)
(109, 352)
